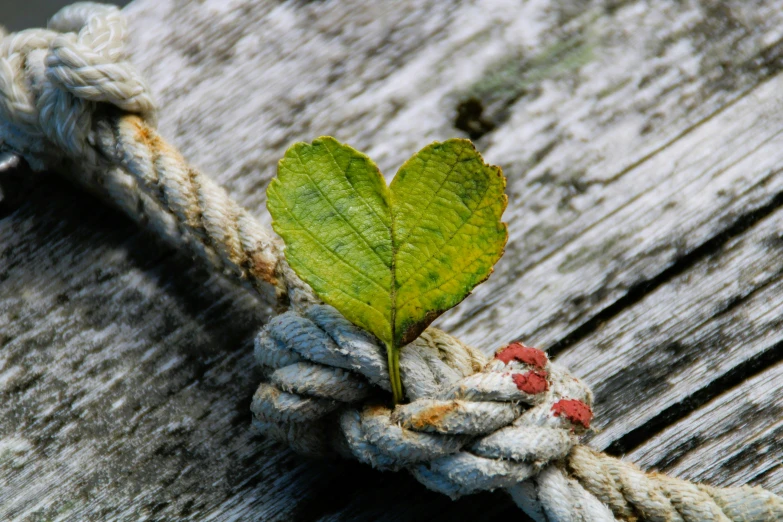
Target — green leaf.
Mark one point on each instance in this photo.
(390, 259)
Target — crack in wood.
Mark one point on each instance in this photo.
(639, 290)
(734, 377)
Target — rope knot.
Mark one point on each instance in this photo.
(471, 424)
(53, 80)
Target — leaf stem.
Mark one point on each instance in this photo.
(393, 354)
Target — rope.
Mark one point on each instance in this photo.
(69, 98)
(472, 424)
(70, 101)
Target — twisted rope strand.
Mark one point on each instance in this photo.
(242, 247)
(54, 91)
(69, 100)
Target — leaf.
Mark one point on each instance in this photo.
(390, 259)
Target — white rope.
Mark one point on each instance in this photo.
(51, 80)
(69, 100)
(471, 425)
(69, 97)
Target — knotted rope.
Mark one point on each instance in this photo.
(69, 100)
(511, 422)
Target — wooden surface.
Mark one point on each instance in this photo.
(643, 144)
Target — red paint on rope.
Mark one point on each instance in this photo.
(531, 382)
(522, 353)
(576, 411)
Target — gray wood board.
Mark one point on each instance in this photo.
(642, 145)
(722, 442)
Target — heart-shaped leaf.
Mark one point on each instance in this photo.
(390, 259)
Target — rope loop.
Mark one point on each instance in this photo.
(53, 80)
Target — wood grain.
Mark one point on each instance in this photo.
(733, 440)
(642, 144)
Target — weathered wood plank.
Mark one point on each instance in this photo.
(721, 442)
(720, 315)
(641, 145)
(623, 192)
